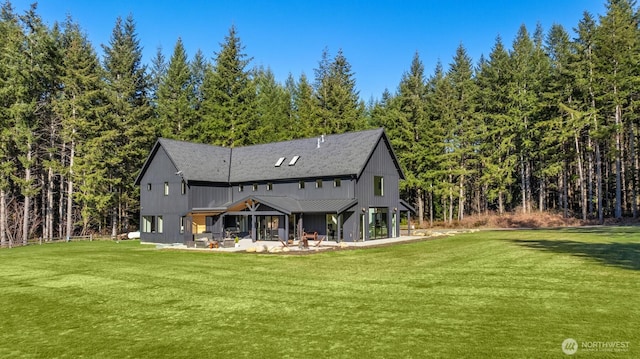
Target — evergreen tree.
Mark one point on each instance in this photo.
(157, 76)
(499, 142)
(227, 114)
(339, 107)
(273, 108)
(304, 108)
(80, 105)
(616, 68)
(131, 133)
(175, 96)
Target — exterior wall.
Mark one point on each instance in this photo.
(380, 164)
(202, 195)
(291, 189)
(154, 203)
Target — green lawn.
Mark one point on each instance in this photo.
(507, 294)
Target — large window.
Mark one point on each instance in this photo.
(300, 184)
(319, 183)
(148, 224)
(337, 182)
(152, 224)
(378, 185)
(269, 186)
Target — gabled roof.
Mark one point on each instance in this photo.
(338, 155)
(197, 162)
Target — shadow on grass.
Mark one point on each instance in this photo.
(622, 255)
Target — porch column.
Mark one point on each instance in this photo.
(409, 221)
(253, 227)
(286, 228)
(339, 228)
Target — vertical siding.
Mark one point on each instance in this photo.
(154, 203)
(290, 189)
(380, 164)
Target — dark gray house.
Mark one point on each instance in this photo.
(344, 187)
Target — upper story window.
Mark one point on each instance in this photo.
(255, 187)
(300, 184)
(319, 183)
(378, 185)
(166, 188)
(148, 186)
(269, 186)
(240, 188)
(183, 187)
(337, 182)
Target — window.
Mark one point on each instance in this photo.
(294, 160)
(319, 183)
(182, 225)
(148, 186)
(337, 182)
(269, 186)
(160, 224)
(300, 184)
(240, 188)
(378, 185)
(280, 160)
(148, 224)
(166, 188)
(183, 187)
(255, 187)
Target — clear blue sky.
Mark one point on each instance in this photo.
(378, 38)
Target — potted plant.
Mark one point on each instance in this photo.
(237, 242)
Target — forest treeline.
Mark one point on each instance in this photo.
(549, 123)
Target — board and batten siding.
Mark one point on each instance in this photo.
(380, 163)
(291, 189)
(154, 202)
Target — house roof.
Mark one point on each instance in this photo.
(337, 155)
(197, 162)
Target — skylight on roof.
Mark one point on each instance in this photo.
(280, 160)
(293, 160)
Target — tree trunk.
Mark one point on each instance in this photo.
(420, 207)
(3, 218)
(599, 184)
(49, 205)
(523, 184)
(591, 177)
(461, 199)
(69, 229)
(27, 195)
(634, 170)
(618, 204)
(583, 189)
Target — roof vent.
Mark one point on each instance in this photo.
(280, 160)
(293, 160)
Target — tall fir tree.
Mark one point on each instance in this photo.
(616, 67)
(227, 114)
(131, 134)
(176, 96)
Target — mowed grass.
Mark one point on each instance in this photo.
(497, 294)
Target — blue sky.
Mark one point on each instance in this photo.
(378, 38)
